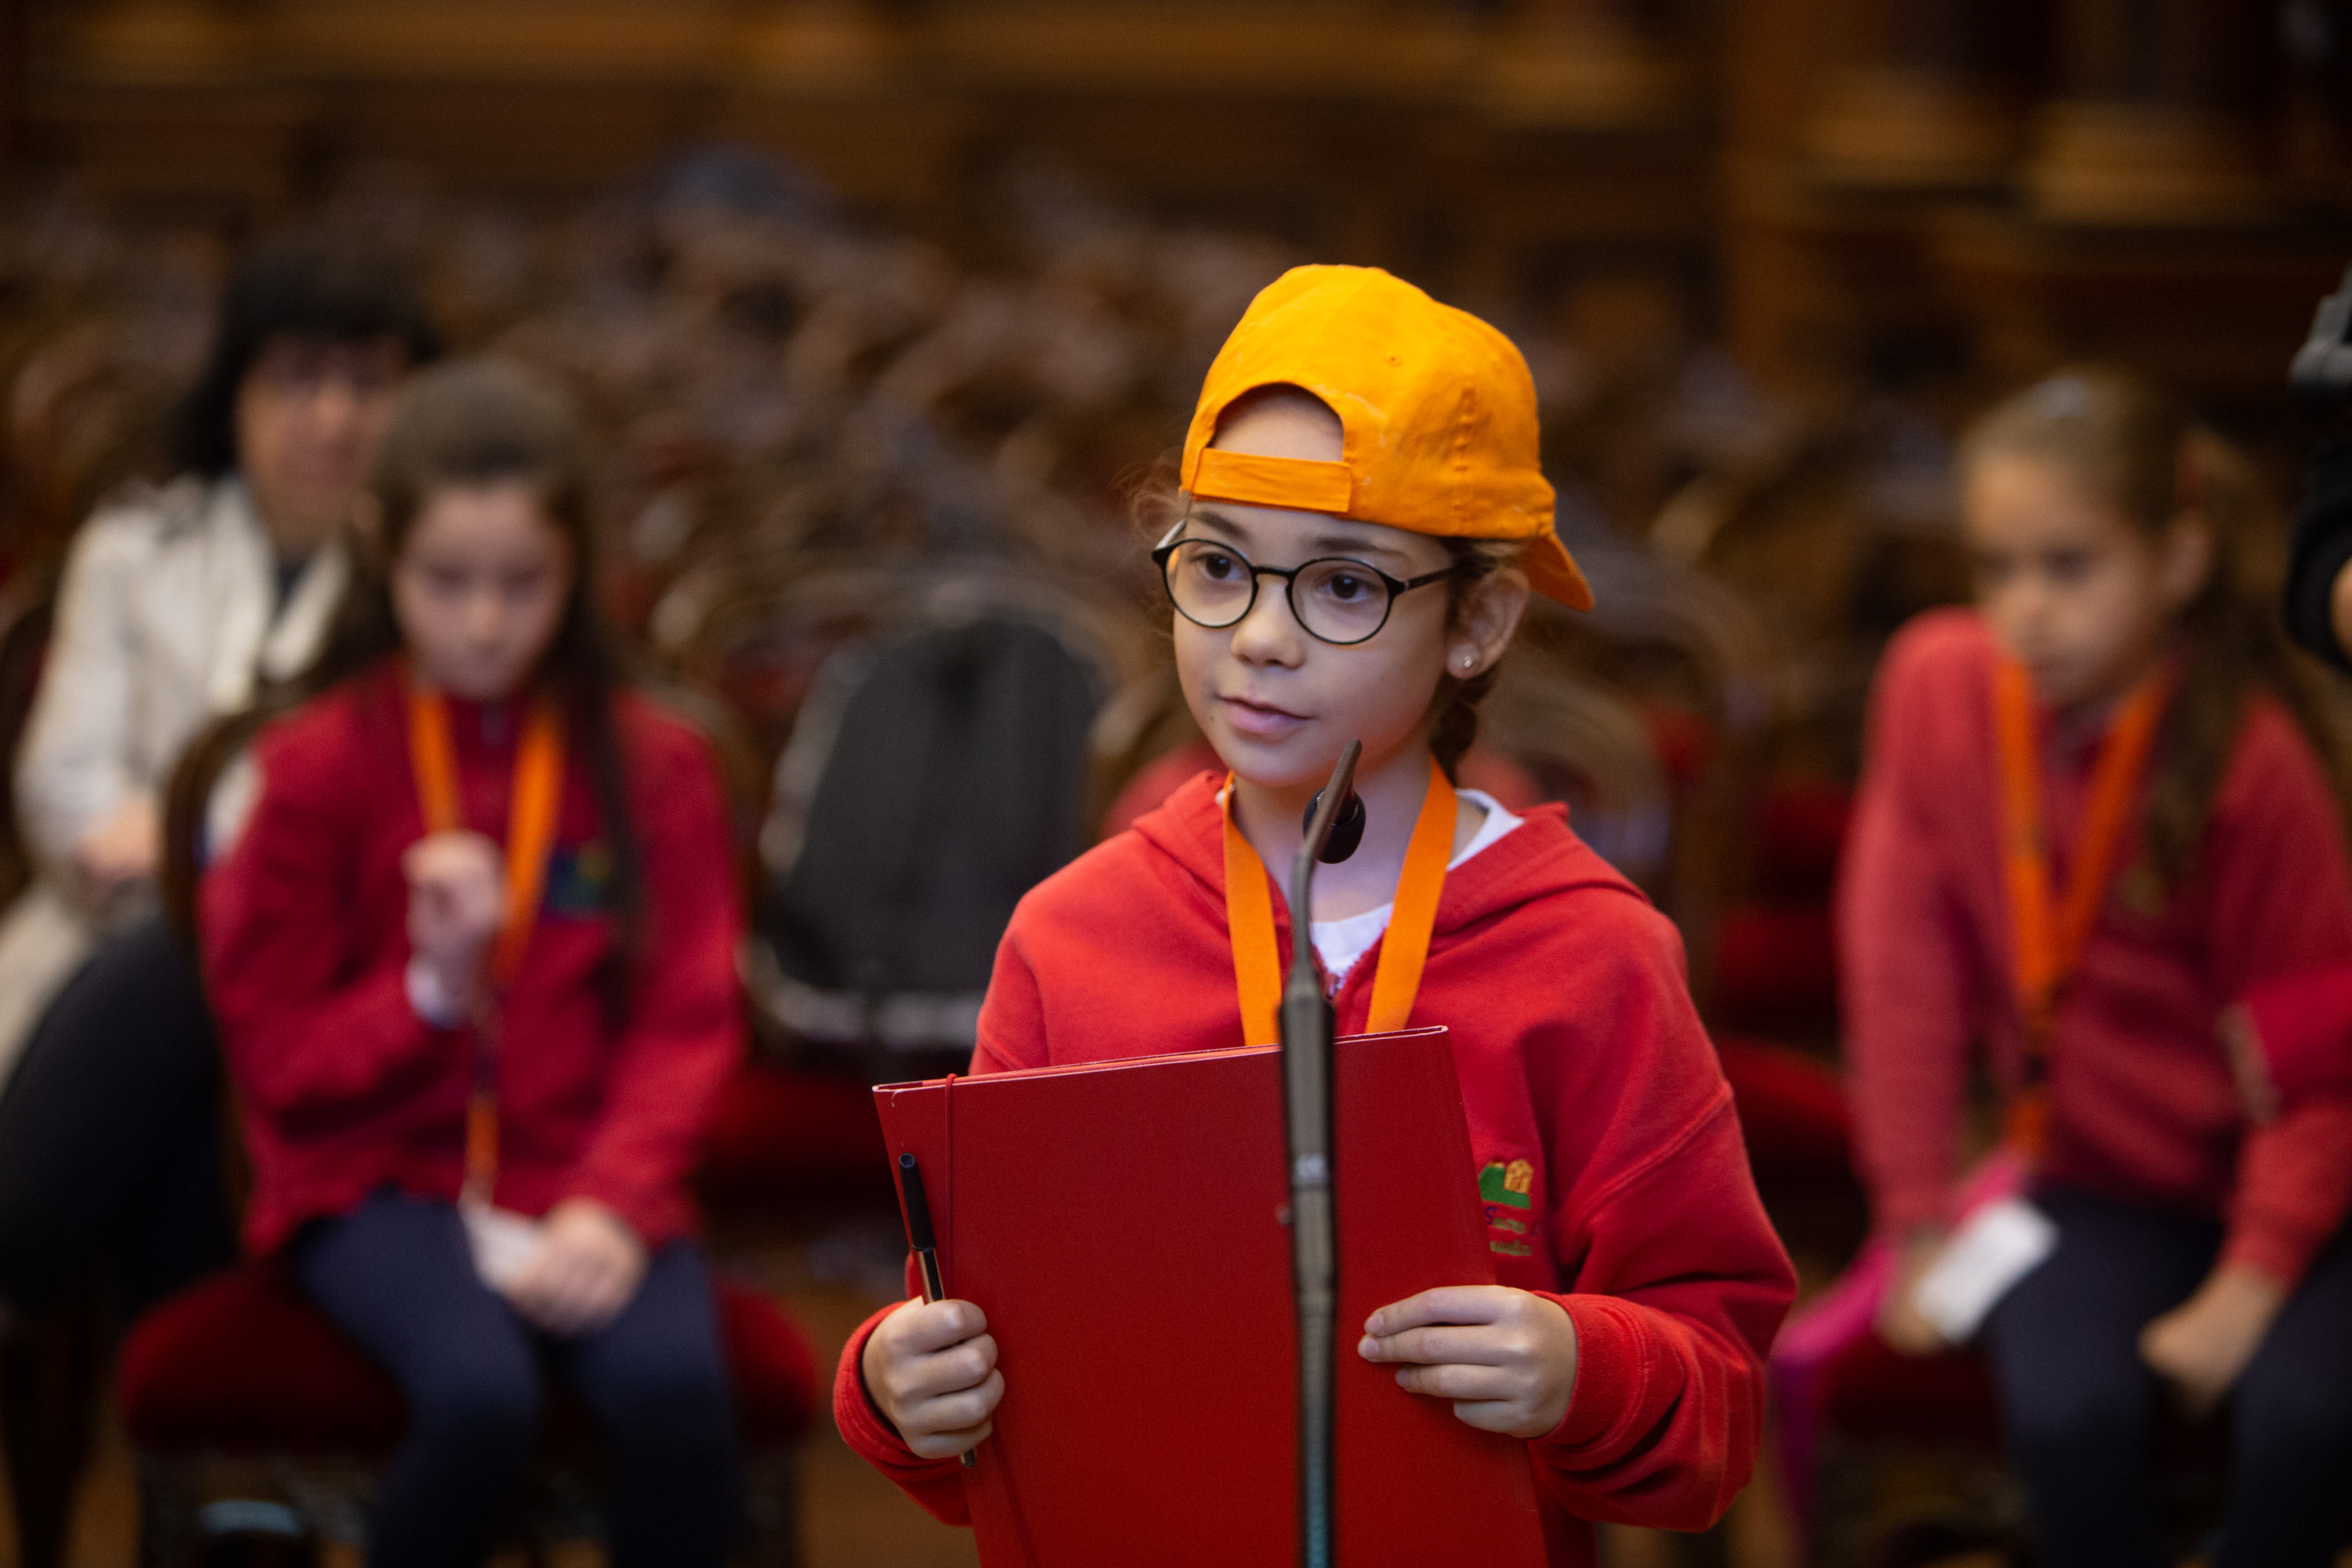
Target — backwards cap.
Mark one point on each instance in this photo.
(1437, 408)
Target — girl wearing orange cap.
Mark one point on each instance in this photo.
(1363, 520)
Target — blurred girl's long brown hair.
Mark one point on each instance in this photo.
(2127, 443)
(472, 423)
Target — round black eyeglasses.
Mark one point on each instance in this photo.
(1337, 600)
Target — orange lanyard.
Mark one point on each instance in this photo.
(1404, 950)
(2048, 931)
(538, 799)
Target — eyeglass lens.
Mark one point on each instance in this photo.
(1338, 600)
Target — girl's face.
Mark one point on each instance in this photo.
(1278, 704)
(479, 588)
(2071, 588)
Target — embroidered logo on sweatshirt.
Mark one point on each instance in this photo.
(579, 880)
(1508, 1193)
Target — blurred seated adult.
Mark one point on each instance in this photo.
(177, 603)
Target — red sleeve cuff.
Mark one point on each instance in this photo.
(2282, 1260)
(2295, 1187)
(937, 1484)
(1614, 1364)
(863, 1426)
(2280, 1244)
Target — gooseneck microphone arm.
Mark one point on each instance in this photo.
(1306, 1031)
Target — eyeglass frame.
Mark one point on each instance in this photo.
(1165, 551)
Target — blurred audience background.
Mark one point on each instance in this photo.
(879, 310)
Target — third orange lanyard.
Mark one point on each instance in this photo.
(2048, 931)
(536, 806)
(1404, 949)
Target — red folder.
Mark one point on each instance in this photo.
(1121, 1224)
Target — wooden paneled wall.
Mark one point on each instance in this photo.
(1987, 187)
(1943, 191)
(1425, 134)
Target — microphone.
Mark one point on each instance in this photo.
(1346, 829)
(1306, 1029)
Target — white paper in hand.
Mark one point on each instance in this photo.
(503, 1242)
(1994, 1248)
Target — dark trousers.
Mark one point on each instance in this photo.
(395, 1275)
(110, 1132)
(2080, 1403)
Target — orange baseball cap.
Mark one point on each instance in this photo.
(1437, 407)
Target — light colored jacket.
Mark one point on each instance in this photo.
(166, 618)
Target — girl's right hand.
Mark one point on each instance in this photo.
(931, 1368)
(1900, 1322)
(457, 894)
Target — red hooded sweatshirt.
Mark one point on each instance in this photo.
(2143, 1105)
(346, 1090)
(1579, 1054)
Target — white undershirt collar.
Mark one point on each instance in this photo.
(1340, 943)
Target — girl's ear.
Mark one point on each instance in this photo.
(2184, 559)
(1483, 629)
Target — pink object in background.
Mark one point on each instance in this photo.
(1840, 1322)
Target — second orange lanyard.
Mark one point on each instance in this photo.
(537, 806)
(2048, 931)
(1404, 948)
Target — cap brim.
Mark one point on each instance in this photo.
(1553, 573)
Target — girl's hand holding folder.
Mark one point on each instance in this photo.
(1506, 1358)
(930, 1370)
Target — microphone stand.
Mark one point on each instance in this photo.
(1307, 1030)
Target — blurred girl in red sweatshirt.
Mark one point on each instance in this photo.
(2097, 809)
(473, 962)
(1362, 521)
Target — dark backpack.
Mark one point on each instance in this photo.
(932, 778)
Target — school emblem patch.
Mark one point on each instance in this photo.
(579, 880)
(1508, 1193)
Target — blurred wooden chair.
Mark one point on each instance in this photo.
(50, 1368)
(85, 413)
(1775, 954)
(27, 610)
(239, 1379)
(936, 770)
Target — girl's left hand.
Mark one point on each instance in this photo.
(587, 1267)
(2204, 1344)
(1506, 1358)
